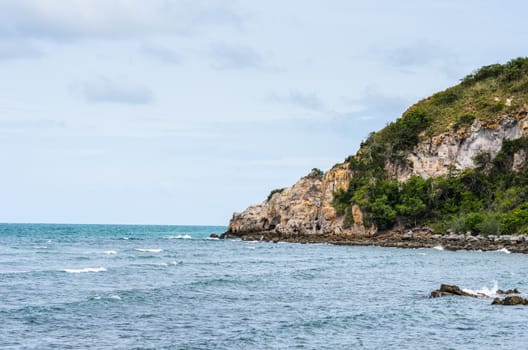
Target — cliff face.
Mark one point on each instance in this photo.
(455, 150)
(305, 208)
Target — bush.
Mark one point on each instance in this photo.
(446, 97)
(277, 190)
(317, 172)
(463, 121)
(489, 225)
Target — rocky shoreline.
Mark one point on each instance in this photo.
(417, 238)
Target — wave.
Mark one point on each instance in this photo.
(503, 250)
(86, 269)
(149, 250)
(484, 291)
(170, 263)
(181, 237)
(110, 252)
(438, 247)
(111, 297)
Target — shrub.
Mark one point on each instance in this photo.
(463, 121)
(317, 172)
(277, 190)
(489, 225)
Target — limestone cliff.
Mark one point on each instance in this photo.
(305, 207)
(456, 149)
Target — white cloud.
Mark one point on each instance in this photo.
(16, 49)
(161, 53)
(107, 90)
(310, 101)
(111, 19)
(235, 57)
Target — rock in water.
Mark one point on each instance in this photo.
(447, 289)
(511, 300)
(509, 291)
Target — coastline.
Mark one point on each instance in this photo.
(394, 239)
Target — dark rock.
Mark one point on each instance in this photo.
(213, 235)
(509, 291)
(511, 300)
(447, 289)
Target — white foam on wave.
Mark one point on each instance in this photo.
(484, 291)
(181, 237)
(149, 250)
(111, 297)
(438, 247)
(503, 250)
(86, 269)
(110, 252)
(170, 263)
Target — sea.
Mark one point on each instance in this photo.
(172, 287)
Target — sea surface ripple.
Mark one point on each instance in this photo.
(170, 287)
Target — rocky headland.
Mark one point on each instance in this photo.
(395, 191)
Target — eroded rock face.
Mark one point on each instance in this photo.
(455, 150)
(305, 208)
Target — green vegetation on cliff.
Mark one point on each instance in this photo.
(489, 91)
(489, 199)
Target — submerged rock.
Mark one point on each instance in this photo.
(447, 290)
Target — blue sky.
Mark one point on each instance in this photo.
(181, 112)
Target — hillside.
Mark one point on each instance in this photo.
(456, 161)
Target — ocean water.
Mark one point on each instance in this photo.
(169, 287)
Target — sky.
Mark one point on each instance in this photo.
(182, 112)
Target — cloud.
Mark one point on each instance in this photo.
(236, 57)
(161, 53)
(305, 100)
(32, 124)
(105, 90)
(112, 19)
(423, 54)
(14, 49)
(375, 104)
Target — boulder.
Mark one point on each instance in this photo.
(509, 291)
(511, 300)
(447, 290)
